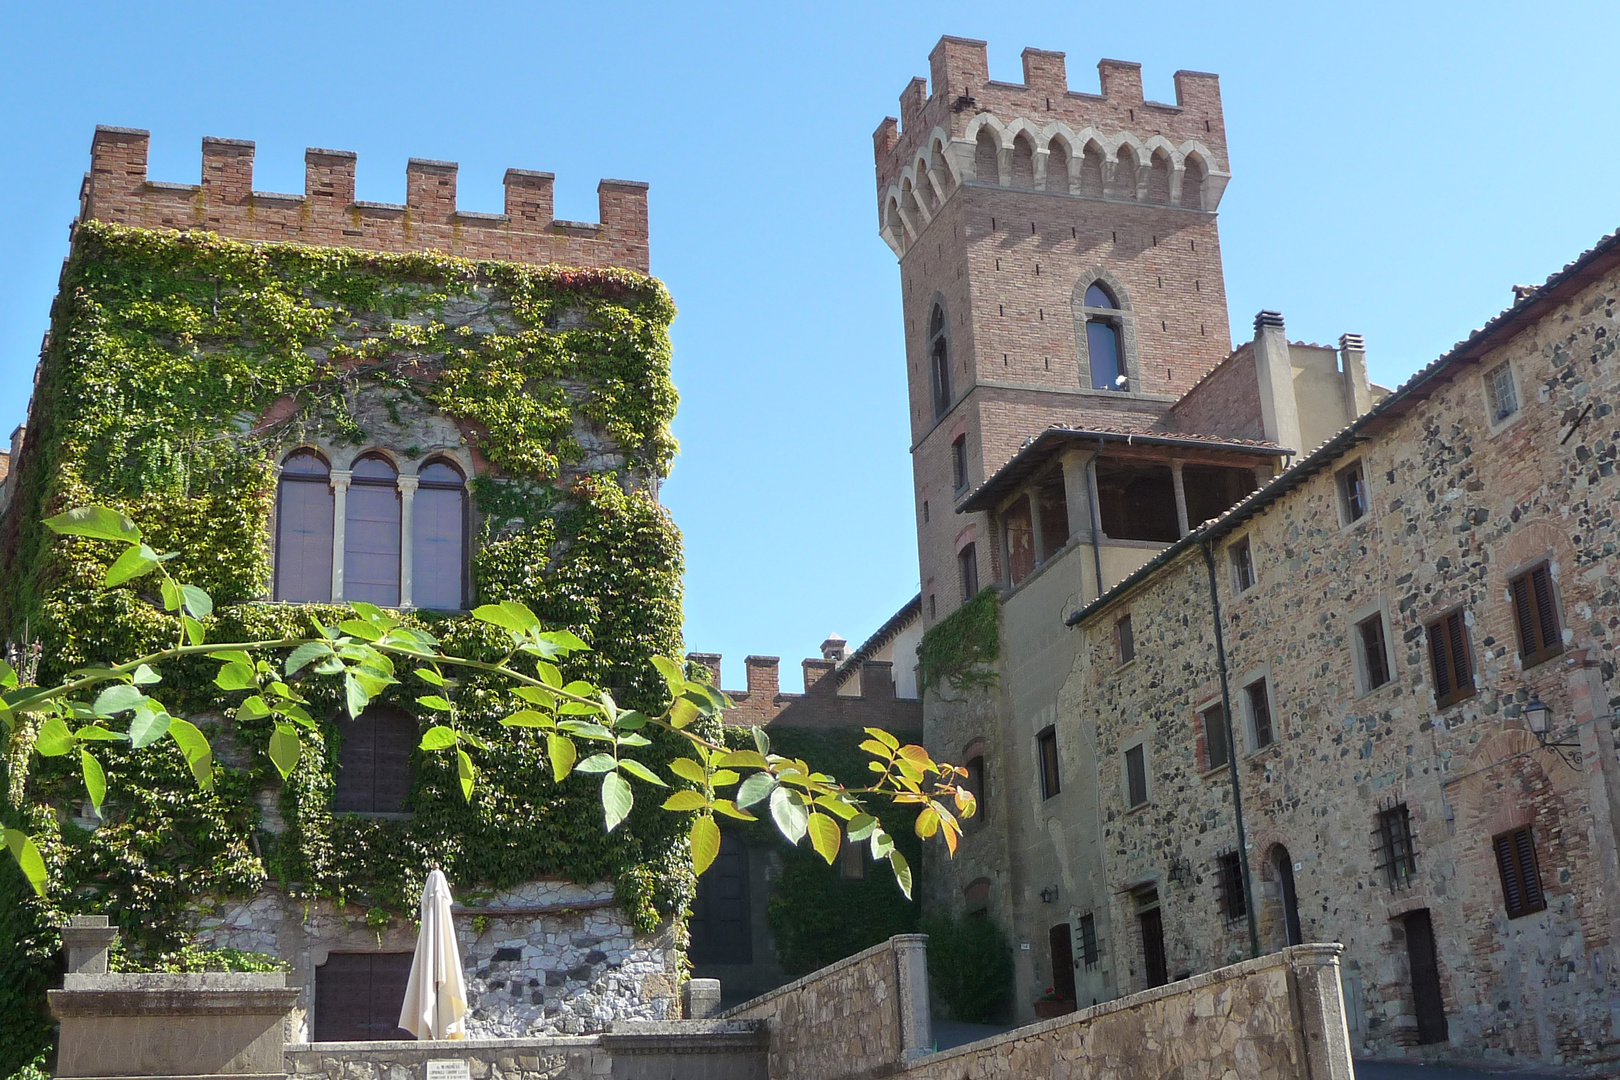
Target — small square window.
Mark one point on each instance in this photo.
(1521, 877)
(1229, 880)
(1136, 774)
(1259, 713)
(1242, 565)
(1215, 749)
(1352, 493)
(1125, 640)
(1397, 856)
(1374, 652)
(1046, 745)
(1501, 392)
(959, 476)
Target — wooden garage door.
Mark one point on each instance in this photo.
(358, 997)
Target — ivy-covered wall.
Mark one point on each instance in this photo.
(179, 368)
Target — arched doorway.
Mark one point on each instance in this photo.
(1282, 871)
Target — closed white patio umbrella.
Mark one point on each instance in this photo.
(436, 995)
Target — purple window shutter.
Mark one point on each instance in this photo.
(438, 563)
(371, 544)
(304, 510)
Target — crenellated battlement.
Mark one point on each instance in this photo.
(117, 190)
(960, 126)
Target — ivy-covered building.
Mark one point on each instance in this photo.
(316, 400)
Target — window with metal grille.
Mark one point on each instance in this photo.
(1216, 751)
(1090, 953)
(1521, 878)
(1352, 493)
(1136, 774)
(1229, 881)
(1046, 743)
(1501, 392)
(1259, 713)
(1448, 655)
(1126, 640)
(1396, 853)
(1242, 565)
(1374, 652)
(1536, 615)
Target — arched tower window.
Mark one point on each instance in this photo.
(439, 540)
(304, 529)
(371, 540)
(939, 361)
(1103, 334)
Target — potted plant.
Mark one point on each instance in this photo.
(1050, 1004)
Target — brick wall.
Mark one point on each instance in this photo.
(821, 707)
(1225, 403)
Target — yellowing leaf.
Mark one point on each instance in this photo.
(705, 843)
(687, 769)
(284, 749)
(824, 836)
(927, 822)
(29, 861)
(729, 808)
(561, 750)
(682, 801)
(884, 737)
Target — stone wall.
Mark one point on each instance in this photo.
(864, 1016)
(544, 958)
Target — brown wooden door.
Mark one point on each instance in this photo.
(1426, 996)
(1062, 946)
(1153, 962)
(1283, 864)
(358, 997)
(722, 931)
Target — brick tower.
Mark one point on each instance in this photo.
(1060, 265)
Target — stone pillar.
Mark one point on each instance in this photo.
(340, 518)
(1353, 370)
(1077, 494)
(911, 978)
(1313, 976)
(1037, 541)
(1587, 702)
(1181, 498)
(86, 938)
(700, 998)
(1274, 371)
(407, 497)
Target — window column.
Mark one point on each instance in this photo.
(340, 502)
(407, 495)
(1181, 497)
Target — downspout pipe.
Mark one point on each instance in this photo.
(1231, 749)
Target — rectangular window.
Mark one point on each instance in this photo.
(967, 571)
(1259, 713)
(1536, 616)
(1397, 855)
(1242, 565)
(1215, 748)
(1046, 743)
(1229, 879)
(1374, 652)
(1019, 528)
(1502, 395)
(1125, 640)
(1521, 878)
(1352, 493)
(852, 861)
(1448, 654)
(976, 784)
(959, 477)
(1089, 952)
(1136, 775)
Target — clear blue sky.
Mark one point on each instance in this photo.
(1396, 168)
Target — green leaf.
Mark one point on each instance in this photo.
(745, 758)
(149, 725)
(787, 810)
(579, 708)
(598, 763)
(630, 721)
(284, 749)
(355, 694)
(824, 836)
(120, 697)
(54, 738)
(97, 522)
(253, 708)
(762, 741)
(587, 730)
(682, 801)
(682, 712)
(236, 676)
(374, 615)
(305, 654)
(194, 745)
(471, 739)
(884, 737)
(29, 860)
(194, 629)
(860, 826)
(232, 656)
(95, 781)
(529, 718)
(171, 595)
(137, 560)
(536, 696)
(640, 771)
(438, 737)
(548, 673)
(674, 675)
(728, 808)
(687, 769)
(498, 615)
(434, 701)
(564, 640)
(705, 843)
(617, 799)
(359, 628)
(91, 733)
(8, 675)
(755, 788)
(145, 676)
(562, 753)
(428, 675)
(290, 710)
(466, 772)
(197, 602)
(902, 871)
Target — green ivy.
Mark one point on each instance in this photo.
(962, 648)
(970, 967)
(177, 366)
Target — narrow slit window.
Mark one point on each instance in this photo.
(1215, 749)
(1398, 857)
(1046, 745)
(939, 360)
(1242, 565)
(959, 473)
(1352, 493)
(967, 569)
(1501, 392)
(1125, 640)
(1374, 651)
(1229, 880)
(1136, 775)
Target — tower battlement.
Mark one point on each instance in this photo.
(960, 126)
(117, 190)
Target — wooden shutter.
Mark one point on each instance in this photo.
(1521, 878)
(438, 565)
(371, 542)
(390, 972)
(1136, 775)
(1448, 652)
(1535, 616)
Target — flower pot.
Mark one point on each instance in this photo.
(1045, 1010)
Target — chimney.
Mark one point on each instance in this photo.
(763, 681)
(710, 660)
(1353, 369)
(835, 649)
(1274, 371)
(818, 678)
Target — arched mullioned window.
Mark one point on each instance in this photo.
(1103, 337)
(439, 540)
(939, 360)
(304, 506)
(371, 539)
